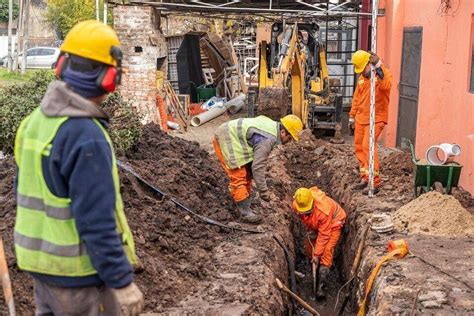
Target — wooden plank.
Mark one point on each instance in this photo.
(175, 104)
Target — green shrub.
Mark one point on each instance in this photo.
(125, 126)
(20, 99)
(17, 101)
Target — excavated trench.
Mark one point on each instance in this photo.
(401, 284)
(188, 267)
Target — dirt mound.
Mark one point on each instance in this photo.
(174, 249)
(273, 102)
(435, 214)
(397, 163)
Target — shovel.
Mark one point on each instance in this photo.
(315, 266)
(6, 284)
(296, 297)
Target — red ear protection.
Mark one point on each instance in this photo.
(61, 65)
(109, 76)
(107, 79)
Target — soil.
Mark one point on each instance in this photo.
(333, 168)
(185, 265)
(273, 102)
(189, 267)
(435, 214)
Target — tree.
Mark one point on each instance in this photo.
(4, 10)
(64, 14)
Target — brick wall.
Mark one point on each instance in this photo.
(142, 44)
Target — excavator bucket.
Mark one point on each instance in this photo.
(273, 102)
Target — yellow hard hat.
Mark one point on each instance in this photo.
(360, 59)
(303, 200)
(92, 40)
(293, 125)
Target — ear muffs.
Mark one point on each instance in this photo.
(107, 79)
(111, 77)
(61, 65)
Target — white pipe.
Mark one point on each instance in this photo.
(236, 104)
(172, 125)
(438, 155)
(213, 112)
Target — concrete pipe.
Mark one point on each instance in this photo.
(236, 104)
(438, 155)
(213, 112)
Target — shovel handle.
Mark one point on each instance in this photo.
(6, 284)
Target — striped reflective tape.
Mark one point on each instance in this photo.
(242, 141)
(50, 248)
(39, 205)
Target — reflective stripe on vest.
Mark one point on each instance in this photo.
(232, 138)
(46, 238)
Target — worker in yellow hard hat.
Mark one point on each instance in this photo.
(242, 147)
(359, 116)
(323, 219)
(71, 233)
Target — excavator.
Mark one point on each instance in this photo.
(293, 78)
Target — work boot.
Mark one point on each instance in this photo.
(323, 276)
(245, 214)
(360, 186)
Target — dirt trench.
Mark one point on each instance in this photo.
(188, 267)
(405, 286)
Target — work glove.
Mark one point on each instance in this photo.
(130, 299)
(265, 195)
(351, 124)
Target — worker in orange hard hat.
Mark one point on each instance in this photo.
(359, 116)
(325, 217)
(242, 147)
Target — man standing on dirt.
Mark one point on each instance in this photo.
(242, 147)
(359, 116)
(71, 233)
(325, 218)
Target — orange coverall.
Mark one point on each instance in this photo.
(327, 220)
(360, 111)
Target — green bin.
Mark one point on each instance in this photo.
(204, 93)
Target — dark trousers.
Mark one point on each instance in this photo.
(87, 301)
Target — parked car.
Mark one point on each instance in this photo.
(40, 57)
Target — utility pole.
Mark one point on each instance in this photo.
(26, 11)
(97, 15)
(10, 25)
(105, 12)
(19, 35)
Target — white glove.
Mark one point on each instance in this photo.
(130, 299)
(351, 123)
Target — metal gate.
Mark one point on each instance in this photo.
(409, 86)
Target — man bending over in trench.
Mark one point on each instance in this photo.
(243, 146)
(325, 217)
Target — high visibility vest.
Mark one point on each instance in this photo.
(232, 138)
(46, 238)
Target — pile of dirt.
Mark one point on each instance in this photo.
(22, 284)
(435, 214)
(173, 248)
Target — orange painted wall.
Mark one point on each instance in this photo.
(445, 106)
